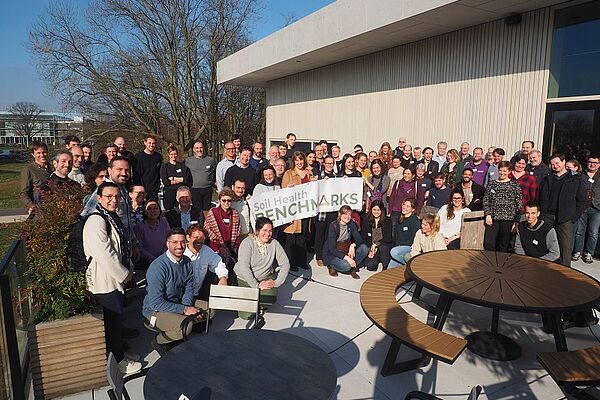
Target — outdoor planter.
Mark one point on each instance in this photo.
(67, 356)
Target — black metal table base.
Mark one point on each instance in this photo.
(494, 346)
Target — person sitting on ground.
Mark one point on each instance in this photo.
(405, 230)
(259, 255)
(451, 219)
(344, 250)
(534, 237)
(151, 234)
(170, 294)
(109, 269)
(223, 227)
(184, 214)
(428, 238)
(377, 235)
(208, 267)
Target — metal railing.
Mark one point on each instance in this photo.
(15, 309)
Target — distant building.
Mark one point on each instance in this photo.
(491, 72)
(52, 128)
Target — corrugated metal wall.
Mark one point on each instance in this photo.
(485, 84)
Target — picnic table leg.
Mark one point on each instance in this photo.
(417, 293)
(559, 333)
(442, 309)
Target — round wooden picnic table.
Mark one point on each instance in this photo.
(242, 364)
(504, 281)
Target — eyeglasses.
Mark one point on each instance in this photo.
(226, 200)
(110, 197)
(593, 162)
(229, 148)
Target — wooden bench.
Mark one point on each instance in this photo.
(471, 230)
(573, 368)
(378, 301)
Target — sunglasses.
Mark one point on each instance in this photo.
(226, 200)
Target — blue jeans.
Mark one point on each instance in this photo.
(344, 266)
(398, 254)
(586, 231)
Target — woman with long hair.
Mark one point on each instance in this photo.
(428, 238)
(297, 231)
(451, 219)
(502, 207)
(377, 185)
(526, 181)
(450, 168)
(348, 167)
(377, 236)
(362, 165)
(344, 250)
(173, 175)
(311, 163)
(406, 227)
(385, 154)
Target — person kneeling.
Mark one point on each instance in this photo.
(344, 250)
(258, 257)
(170, 294)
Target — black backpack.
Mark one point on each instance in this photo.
(79, 262)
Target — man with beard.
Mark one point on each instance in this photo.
(472, 192)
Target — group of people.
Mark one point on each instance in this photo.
(413, 202)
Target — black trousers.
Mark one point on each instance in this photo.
(201, 198)
(564, 234)
(321, 228)
(382, 256)
(112, 305)
(497, 236)
(454, 245)
(169, 199)
(295, 249)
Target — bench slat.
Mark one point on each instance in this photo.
(579, 367)
(378, 300)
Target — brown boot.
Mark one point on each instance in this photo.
(354, 274)
(320, 263)
(332, 271)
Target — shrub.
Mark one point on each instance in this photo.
(58, 292)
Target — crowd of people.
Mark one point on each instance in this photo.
(413, 202)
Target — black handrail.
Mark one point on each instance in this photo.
(17, 380)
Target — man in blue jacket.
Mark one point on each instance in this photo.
(170, 293)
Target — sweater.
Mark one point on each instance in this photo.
(254, 267)
(247, 174)
(438, 197)
(202, 170)
(152, 240)
(404, 235)
(147, 172)
(425, 244)
(222, 168)
(169, 285)
(177, 170)
(539, 241)
(502, 200)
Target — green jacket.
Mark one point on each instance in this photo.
(32, 176)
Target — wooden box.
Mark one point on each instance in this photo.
(67, 356)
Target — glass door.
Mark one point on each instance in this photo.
(572, 128)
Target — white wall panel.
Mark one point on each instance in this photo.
(485, 84)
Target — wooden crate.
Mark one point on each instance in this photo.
(67, 356)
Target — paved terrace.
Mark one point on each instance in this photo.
(327, 312)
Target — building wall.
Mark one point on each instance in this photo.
(485, 84)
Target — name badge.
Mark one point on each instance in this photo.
(474, 169)
(368, 234)
(591, 180)
(226, 220)
(405, 228)
(531, 173)
(423, 185)
(492, 173)
(178, 170)
(208, 167)
(493, 191)
(535, 242)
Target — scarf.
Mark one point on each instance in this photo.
(114, 219)
(265, 183)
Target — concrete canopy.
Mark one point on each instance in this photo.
(350, 28)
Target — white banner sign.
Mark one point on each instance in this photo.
(307, 200)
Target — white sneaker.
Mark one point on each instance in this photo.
(131, 356)
(129, 366)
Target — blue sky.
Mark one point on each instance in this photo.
(19, 80)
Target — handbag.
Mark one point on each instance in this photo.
(344, 247)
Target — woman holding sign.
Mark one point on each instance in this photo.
(296, 232)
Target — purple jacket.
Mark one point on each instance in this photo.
(479, 171)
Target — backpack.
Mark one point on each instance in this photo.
(79, 262)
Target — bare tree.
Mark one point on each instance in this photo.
(26, 119)
(149, 66)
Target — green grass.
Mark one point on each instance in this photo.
(9, 185)
(8, 233)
